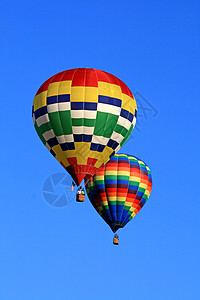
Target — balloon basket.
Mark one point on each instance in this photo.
(116, 241)
(80, 198)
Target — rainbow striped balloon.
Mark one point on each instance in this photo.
(120, 189)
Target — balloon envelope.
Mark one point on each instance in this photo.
(120, 189)
(83, 116)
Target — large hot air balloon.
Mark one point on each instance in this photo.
(120, 189)
(84, 116)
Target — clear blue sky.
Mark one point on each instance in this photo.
(49, 253)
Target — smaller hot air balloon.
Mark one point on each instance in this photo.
(119, 190)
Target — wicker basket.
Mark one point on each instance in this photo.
(80, 198)
(116, 241)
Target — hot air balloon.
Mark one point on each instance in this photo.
(119, 190)
(83, 116)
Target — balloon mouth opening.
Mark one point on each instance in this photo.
(115, 227)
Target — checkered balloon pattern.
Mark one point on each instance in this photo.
(120, 189)
(83, 116)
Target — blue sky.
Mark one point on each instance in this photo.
(49, 253)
